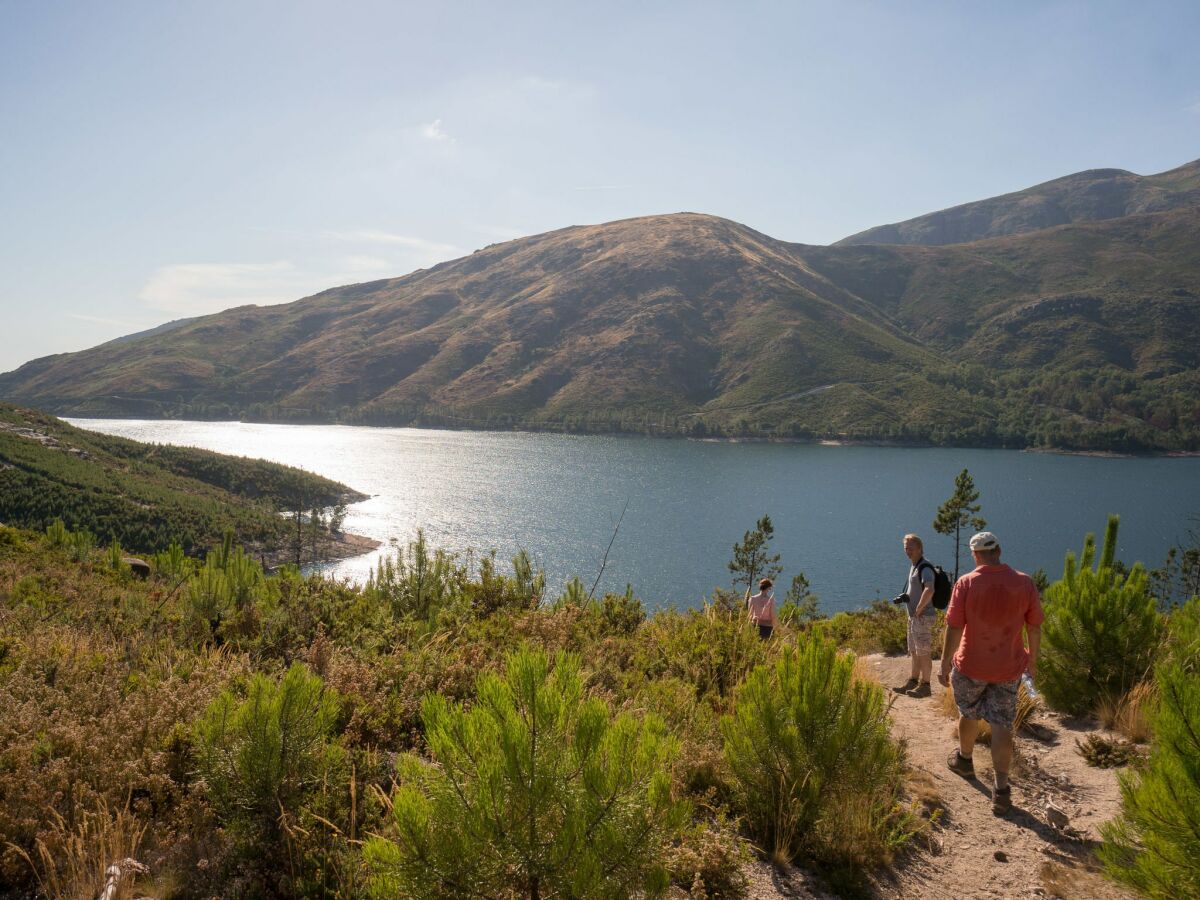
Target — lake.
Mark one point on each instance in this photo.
(839, 511)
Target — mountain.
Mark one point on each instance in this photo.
(1078, 336)
(144, 495)
(1091, 196)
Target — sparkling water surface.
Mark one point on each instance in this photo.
(839, 511)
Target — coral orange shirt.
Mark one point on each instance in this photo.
(993, 605)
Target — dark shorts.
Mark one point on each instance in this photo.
(993, 701)
(764, 631)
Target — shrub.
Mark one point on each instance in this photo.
(809, 745)
(536, 791)
(263, 756)
(172, 563)
(416, 581)
(1103, 753)
(1154, 845)
(622, 613)
(881, 628)
(1102, 630)
(713, 648)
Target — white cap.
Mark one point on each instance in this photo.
(985, 540)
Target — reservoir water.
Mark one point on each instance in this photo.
(839, 511)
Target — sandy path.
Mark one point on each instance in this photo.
(959, 861)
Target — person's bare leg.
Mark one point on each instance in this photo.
(924, 664)
(968, 730)
(916, 666)
(1002, 754)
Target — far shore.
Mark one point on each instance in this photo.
(706, 439)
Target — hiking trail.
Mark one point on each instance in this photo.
(969, 852)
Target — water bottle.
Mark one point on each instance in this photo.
(1027, 680)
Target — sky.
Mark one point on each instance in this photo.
(163, 160)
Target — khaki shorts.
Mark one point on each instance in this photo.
(920, 635)
(993, 701)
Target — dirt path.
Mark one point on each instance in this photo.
(960, 859)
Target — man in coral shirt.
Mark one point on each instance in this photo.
(988, 611)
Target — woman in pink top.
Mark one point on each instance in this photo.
(762, 608)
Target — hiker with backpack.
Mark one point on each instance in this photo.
(920, 594)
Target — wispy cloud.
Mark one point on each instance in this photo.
(192, 289)
(372, 236)
(103, 320)
(1193, 108)
(197, 288)
(603, 187)
(499, 231)
(433, 131)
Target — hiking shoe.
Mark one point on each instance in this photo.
(1001, 801)
(920, 691)
(961, 765)
(906, 687)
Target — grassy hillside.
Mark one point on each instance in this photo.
(1082, 336)
(1083, 197)
(115, 679)
(145, 495)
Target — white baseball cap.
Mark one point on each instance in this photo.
(985, 540)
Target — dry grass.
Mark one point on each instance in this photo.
(1073, 883)
(73, 860)
(1129, 715)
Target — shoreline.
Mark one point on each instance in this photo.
(346, 545)
(706, 439)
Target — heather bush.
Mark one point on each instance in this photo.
(708, 860)
(816, 769)
(93, 726)
(713, 648)
(622, 613)
(534, 791)
(1102, 630)
(881, 628)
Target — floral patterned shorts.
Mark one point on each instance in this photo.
(993, 701)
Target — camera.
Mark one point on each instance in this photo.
(903, 598)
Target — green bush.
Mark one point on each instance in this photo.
(1154, 845)
(881, 628)
(262, 757)
(535, 792)
(1102, 630)
(810, 749)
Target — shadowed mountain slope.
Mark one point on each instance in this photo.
(1090, 196)
(691, 324)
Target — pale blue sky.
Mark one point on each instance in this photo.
(159, 160)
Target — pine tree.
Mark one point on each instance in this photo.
(959, 512)
(807, 743)
(1154, 845)
(751, 560)
(537, 792)
(1102, 628)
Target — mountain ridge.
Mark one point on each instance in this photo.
(685, 323)
(1087, 196)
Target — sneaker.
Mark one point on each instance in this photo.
(920, 691)
(1001, 801)
(906, 687)
(961, 765)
